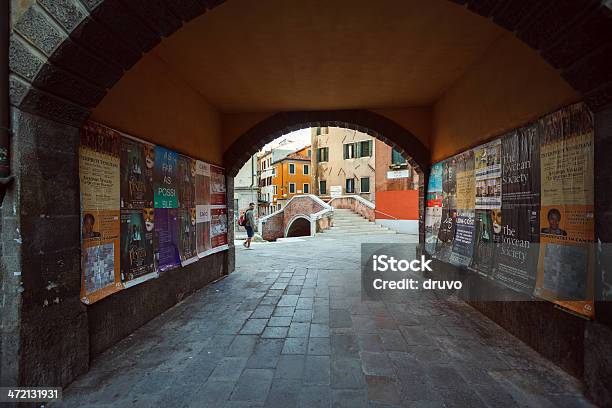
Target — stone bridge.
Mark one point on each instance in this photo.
(304, 215)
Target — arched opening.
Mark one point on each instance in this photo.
(370, 123)
(299, 227)
(483, 74)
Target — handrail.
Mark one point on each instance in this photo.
(388, 215)
(358, 198)
(312, 196)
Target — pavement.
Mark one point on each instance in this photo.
(289, 329)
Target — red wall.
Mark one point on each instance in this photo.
(401, 204)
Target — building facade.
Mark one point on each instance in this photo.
(343, 162)
(246, 187)
(397, 195)
(266, 172)
(292, 176)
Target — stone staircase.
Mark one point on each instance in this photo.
(346, 222)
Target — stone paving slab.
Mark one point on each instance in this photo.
(289, 329)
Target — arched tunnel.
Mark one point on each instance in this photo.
(125, 123)
(299, 227)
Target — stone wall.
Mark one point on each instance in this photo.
(41, 266)
(115, 317)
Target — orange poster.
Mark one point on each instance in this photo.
(567, 261)
(99, 159)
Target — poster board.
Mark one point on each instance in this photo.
(99, 176)
(137, 214)
(487, 173)
(567, 259)
(517, 255)
(187, 214)
(145, 209)
(533, 210)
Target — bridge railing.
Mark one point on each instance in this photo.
(357, 204)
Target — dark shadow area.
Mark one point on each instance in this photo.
(300, 227)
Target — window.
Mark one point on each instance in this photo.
(309, 153)
(322, 187)
(358, 149)
(275, 189)
(365, 149)
(350, 185)
(396, 157)
(274, 171)
(323, 154)
(291, 188)
(306, 188)
(349, 151)
(365, 184)
(291, 168)
(306, 169)
(278, 207)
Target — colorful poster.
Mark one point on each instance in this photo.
(465, 181)
(167, 231)
(203, 242)
(449, 183)
(186, 182)
(165, 178)
(187, 222)
(487, 236)
(446, 234)
(517, 251)
(202, 183)
(99, 176)
(463, 243)
(202, 201)
(433, 219)
(521, 167)
(137, 254)
(517, 254)
(567, 260)
(434, 186)
(217, 186)
(487, 173)
(218, 226)
(137, 161)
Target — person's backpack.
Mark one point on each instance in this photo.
(242, 220)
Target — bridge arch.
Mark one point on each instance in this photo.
(299, 226)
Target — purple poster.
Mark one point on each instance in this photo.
(167, 231)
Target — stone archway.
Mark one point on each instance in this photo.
(66, 54)
(298, 227)
(361, 120)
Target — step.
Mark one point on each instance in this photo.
(342, 233)
(351, 227)
(352, 222)
(349, 218)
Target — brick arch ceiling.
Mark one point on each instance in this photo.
(81, 48)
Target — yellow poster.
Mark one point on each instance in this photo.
(99, 174)
(466, 184)
(567, 232)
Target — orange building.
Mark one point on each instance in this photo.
(292, 175)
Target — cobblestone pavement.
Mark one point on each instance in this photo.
(288, 328)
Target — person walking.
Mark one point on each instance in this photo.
(249, 224)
